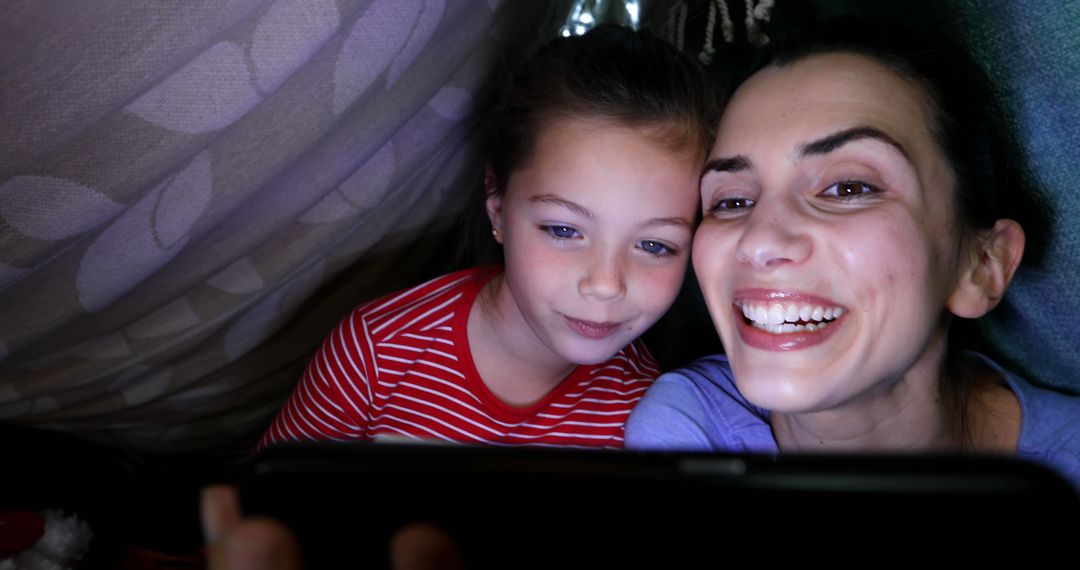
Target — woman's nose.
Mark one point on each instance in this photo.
(604, 278)
(773, 237)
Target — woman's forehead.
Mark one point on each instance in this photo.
(819, 94)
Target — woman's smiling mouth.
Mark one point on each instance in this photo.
(783, 320)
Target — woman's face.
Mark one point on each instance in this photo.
(828, 250)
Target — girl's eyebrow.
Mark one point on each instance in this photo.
(554, 200)
(557, 201)
(672, 221)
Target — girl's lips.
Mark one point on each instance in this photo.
(590, 329)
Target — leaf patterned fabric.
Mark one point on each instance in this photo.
(178, 181)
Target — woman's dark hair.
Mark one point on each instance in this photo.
(959, 115)
(613, 73)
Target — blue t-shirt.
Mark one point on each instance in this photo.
(698, 408)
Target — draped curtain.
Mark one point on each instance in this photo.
(179, 182)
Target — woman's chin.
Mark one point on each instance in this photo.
(782, 391)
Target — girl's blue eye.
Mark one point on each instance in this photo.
(848, 189)
(731, 205)
(561, 232)
(656, 248)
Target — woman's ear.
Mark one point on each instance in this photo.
(983, 282)
(493, 203)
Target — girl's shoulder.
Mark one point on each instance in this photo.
(467, 282)
(439, 302)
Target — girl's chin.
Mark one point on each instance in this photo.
(580, 357)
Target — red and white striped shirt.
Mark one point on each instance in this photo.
(400, 367)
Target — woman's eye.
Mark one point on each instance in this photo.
(655, 248)
(561, 232)
(849, 189)
(731, 205)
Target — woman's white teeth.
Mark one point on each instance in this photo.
(776, 315)
(792, 314)
(779, 318)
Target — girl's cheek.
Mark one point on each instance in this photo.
(663, 284)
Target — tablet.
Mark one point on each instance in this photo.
(537, 507)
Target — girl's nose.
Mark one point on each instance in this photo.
(604, 278)
(773, 237)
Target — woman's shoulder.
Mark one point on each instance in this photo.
(1049, 418)
(699, 407)
(711, 379)
(1049, 431)
(712, 370)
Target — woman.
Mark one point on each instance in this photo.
(851, 214)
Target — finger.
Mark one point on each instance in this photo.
(257, 544)
(424, 547)
(219, 510)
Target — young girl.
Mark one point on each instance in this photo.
(591, 187)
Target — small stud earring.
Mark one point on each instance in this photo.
(495, 233)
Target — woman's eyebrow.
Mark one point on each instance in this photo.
(823, 145)
(726, 164)
(834, 141)
(557, 201)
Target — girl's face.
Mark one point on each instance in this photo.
(596, 229)
(829, 249)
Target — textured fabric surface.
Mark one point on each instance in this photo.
(1032, 54)
(178, 180)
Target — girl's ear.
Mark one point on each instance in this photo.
(983, 282)
(493, 203)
